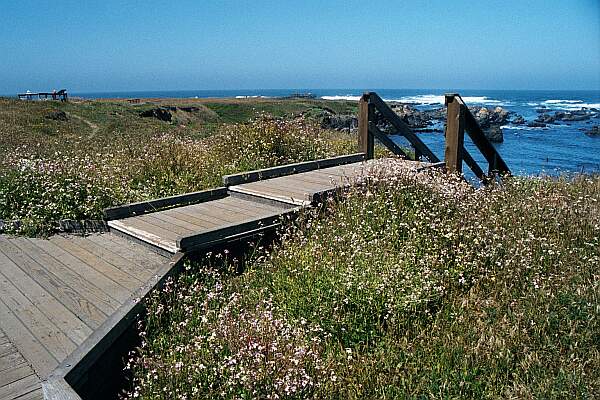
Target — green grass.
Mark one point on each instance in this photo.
(421, 287)
(106, 154)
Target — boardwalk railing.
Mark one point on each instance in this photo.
(372, 109)
(459, 119)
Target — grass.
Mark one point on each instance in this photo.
(106, 154)
(421, 287)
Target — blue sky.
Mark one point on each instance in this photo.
(161, 45)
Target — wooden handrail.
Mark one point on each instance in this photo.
(369, 102)
(460, 119)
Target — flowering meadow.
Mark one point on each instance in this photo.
(416, 287)
(54, 170)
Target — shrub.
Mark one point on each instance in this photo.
(79, 180)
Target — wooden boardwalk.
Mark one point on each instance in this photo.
(61, 296)
(17, 378)
(307, 188)
(54, 293)
(66, 301)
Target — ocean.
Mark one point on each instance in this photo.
(557, 149)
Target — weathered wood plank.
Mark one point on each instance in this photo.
(146, 225)
(29, 286)
(269, 195)
(143, 207)
(176, 230)
(41, 326)
(113, 259)
(137, 255)
(147, 234)
(297, 199)
(41, 359)
(317, 178)
(272, 187)
(58, 389)
(232, 211)
(223, 211)
(301, 186)
(80, 296)
(127, 247)
(14, 374)
(178, 219)
(207, 212)
(20, 387)
(11, 360)
(113, 290)
(36, 394)
(268, 173)
(96, 263)
(197, 218)
(188, 243)
(252, 205)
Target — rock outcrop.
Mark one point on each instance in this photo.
(345, 123)
(159, 113)
(491, 122)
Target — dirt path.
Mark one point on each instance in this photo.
(89, 123)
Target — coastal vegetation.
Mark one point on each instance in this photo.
(416, 287)
(413, 287)
(72, 160)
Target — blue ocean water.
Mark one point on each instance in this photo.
(553, 150)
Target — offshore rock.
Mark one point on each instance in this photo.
(494, 134)
(491, 122)
(413, 117)
(518, 120)
(546, 119)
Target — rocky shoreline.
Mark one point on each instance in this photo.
(491, 120)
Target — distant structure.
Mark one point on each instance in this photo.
(54, 95)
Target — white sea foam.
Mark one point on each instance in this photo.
(424, 99)
(562, 101)
(568, 105)
(439, 99)
(348, 97)
(534, 128)
(521, 128)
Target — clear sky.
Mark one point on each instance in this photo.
(114, 45)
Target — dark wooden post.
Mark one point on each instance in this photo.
(365, 114)
(455, 134)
